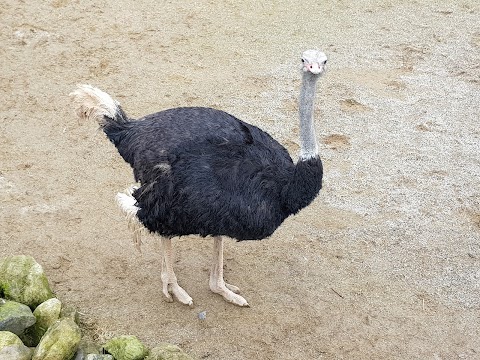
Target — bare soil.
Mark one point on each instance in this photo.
(385, 263)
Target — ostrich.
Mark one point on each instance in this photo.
(203, 171)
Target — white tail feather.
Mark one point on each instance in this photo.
(127, 202)
(92, 103)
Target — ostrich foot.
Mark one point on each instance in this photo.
(169, 279)
(233, 288)
(229, 293)
(176, 290)
(216, 282)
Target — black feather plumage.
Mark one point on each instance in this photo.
(203, 171)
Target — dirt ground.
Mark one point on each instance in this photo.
(385, 264)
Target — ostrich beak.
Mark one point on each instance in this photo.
(315, 68)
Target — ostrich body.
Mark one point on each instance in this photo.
(202, 171)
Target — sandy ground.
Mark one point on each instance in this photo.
(384, 265)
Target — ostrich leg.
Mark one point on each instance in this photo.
(169, 280)
(217, 284)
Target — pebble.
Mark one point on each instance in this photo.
(202, 315)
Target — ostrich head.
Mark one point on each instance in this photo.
(314, 62)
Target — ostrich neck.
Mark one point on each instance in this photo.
(308, 141)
